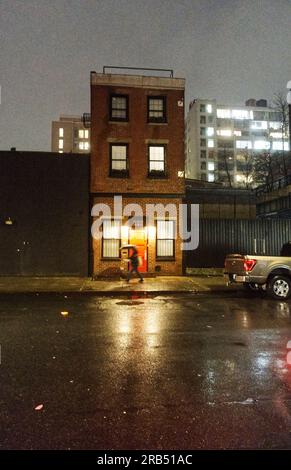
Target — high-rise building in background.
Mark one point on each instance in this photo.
(69, 134)
(220, 139)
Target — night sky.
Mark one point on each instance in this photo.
(226, 49)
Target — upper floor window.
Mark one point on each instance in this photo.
(119, 160)
(119, 108)
(157, 109)
(157, 165)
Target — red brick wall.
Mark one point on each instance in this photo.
(137, 131)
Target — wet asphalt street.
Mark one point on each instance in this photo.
(190, 372)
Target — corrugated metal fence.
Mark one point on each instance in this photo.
(217, 238)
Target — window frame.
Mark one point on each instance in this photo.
(173, 256)
(158, 120)
(118, 119)
(111, 258)
(157, 173)
(118, 173)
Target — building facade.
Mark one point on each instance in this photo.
(220, 140)
(137, 153)
(70, 135)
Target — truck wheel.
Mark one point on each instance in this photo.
(279, 287)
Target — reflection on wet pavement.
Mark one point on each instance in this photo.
(162, 372)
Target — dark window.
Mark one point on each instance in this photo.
(202, 142)
(166, 239)
(202, 108)
(157, 109)
(203, 154)
(203, 131)
(157, 162)
(111, 238)
(119, 160)
(119, 108)
(202, 119)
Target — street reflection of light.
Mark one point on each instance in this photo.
(262, 361)
(152, 322)
(283, 309)
(152, 340)
(124, 329)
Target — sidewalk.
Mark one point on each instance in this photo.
(158, 285)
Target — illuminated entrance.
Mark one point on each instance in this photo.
(138, 237)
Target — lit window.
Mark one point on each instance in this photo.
(259, 125)
(275, 125)
(261, 145)
(242, 144)
(209, 108)
(240, 114)
(276, 135)
(165, 239)
(118, 159)
(81, 134)
(111, 237)
(210, 143)
(210, 177)
(181, 174)
(240, 178)
(61, 132)
(81, 145)
(61, 151)
(86, 134)
(279, 146)
(210, 131)
(157, 109)
(223, 113)
(156, 160)
(224, 132)
(86, 145)
(237, 133)
(210, 166)
(61, 144)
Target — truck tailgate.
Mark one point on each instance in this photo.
(234, 264)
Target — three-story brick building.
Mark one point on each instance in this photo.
(137, 152)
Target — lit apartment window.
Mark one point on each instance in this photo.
(237, 133)
(275, 125)
(86, 134)
(242, 144)
(61, 151)
(157, 109)
(83, 145)
(210, 143)
(259, 125)
(119, 160)
(261, 145)
(210, 177)
(279, 146)
(209, 108)
(61, 144)
(156, 160)
(81, 134)
(61, 132)
(223, 113)
(111, 237)
(165, 239)
(210, 131)
(118, 108)
(276, 135)
(224, 132)
(210, 166)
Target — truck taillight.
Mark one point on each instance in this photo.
(249, 264)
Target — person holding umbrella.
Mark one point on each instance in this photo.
(134, 264)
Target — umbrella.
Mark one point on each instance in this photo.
(128, 247)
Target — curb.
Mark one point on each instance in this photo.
(123, 293)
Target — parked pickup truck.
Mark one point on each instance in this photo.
(269, 273)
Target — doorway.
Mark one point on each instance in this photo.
(138, 237)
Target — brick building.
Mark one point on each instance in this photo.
(137, 152)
